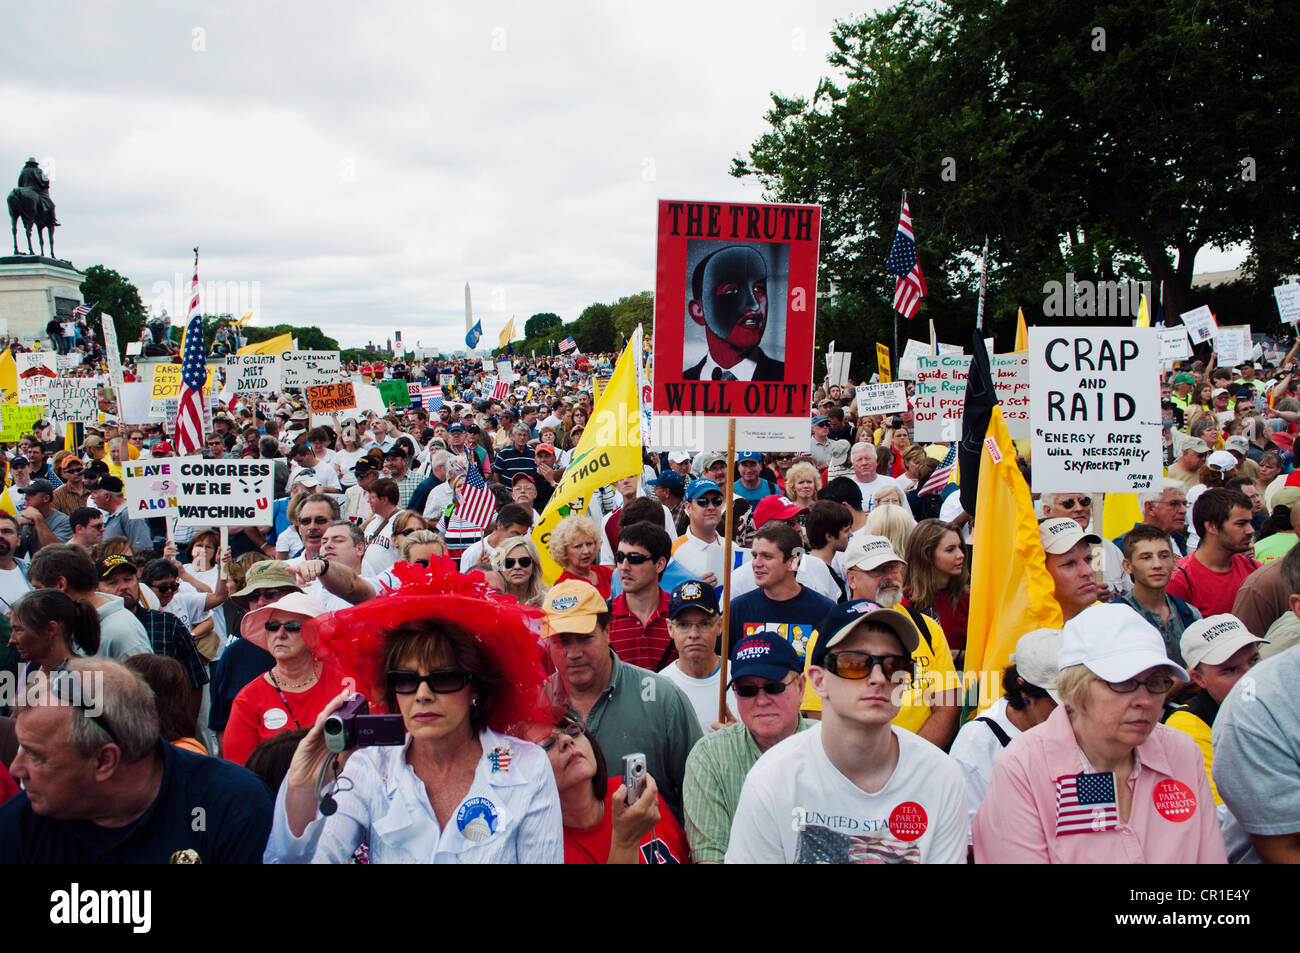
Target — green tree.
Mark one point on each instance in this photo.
(1104, 139)
(114, 295)
(309, 339)
(539, 324)
(594, 330)
(629, 311)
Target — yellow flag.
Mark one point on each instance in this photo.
(1120, 514)
(1022, 333)
(507, 333)
(1011, 592)
(1144, 314)
(6, 505)
(609, 450)
(9, 377)
(245, 319)
(275, 345)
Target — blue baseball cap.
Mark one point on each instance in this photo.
(821, 421)
(698, 488)
(846, 616)
(692, 594)
(749, 455)
(669, 480)
(767, 656)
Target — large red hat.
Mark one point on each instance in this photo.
(508, 633)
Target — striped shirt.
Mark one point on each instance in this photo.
(648, 646)
(169, 636)
(511, 462)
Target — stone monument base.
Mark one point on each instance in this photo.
(34, 289)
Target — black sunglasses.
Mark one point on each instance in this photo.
(750, 691)
(444, 681)
(636, 559)
(523, 562)
(1068, 501)
(288, 626)
(858, 665)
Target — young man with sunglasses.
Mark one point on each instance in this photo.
(766, 682)
(858, 788)
(638, 625)
(700, 549)
(74, 493)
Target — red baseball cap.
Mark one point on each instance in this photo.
(775, 507)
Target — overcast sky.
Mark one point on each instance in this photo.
(352, 169)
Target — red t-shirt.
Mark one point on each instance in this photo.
(665, 843)
(603, 576)
(9, 787)
(1211, 592)
(259, 713)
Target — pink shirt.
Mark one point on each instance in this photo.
(1172, 819)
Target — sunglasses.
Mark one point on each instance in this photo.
(445, 681)
(709, 501)
(523, 562)
(73, 471)
(636, 559)
(165, 586)
(857, 665)
(1068, 502)
(751, 691)
(573, 731)
(315, 521)
(287, 626)
(1156, 685)
(270, 595)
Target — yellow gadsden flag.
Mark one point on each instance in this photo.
(275, 345)
(507, 333)
(609, 450)
(1011, 592)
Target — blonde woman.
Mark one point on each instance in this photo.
(520, 566)
(891, 521)
(575, 546)
(802, 481)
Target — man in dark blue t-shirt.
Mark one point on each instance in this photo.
(780, 606)
(101, 786)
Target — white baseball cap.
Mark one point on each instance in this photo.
(1060, 534)
(870, 552)
(1214, 640)
(1036, 659)
(1115, 643)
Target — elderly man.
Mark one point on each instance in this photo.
(628, 710)
(43, 525)
(767, 682)
(931, 706)
(865, 463)
(397, 462)
(1187, 468)
(821, 445)
(1165, 508)
(515, 459)
(1078, 507)
(101, 786)
(856, 788)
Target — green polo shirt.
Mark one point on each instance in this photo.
(715, 773)
(644, 713)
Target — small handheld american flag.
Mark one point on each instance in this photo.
(474, 510)
(942, 473)
(567, 345)
(1085, 803)
(910, 287)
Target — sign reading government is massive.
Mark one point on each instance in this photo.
(1095, 409)
(735, 315)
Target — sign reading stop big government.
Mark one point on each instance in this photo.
(1095, 409)
(735, 315)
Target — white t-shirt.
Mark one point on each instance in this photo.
(209, 578)
(869, 491)
(188, 606)
(796, 807)
(702, 693)
(381, 554)
(976, 748)
(13, 585)
(347, 459)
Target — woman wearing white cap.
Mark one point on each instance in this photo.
(1028, 698)
(1101, 780)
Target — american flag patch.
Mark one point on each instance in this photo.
(1086, 802)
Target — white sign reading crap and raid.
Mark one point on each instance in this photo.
(939, 401)
(311, 368)
(1095, 412)
(255, 373)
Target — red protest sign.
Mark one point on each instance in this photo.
(328, 398)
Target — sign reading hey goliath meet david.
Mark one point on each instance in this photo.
(1095, 409)
(735, 315)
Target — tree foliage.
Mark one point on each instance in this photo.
(539, 324)
(1105, 139)
(594, 329)
(116, 296)
(629, 311)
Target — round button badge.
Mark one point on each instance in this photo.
(908, 821)
(1174, 800)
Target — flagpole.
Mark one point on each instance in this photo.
(984, 271)
(728, 519)
(901, 204)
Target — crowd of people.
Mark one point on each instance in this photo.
(587, 718)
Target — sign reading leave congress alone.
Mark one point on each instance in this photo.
(221, 492)
(1095, 409)
(735, 314)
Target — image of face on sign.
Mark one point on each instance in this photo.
(737, 329)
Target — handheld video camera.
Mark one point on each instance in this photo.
(352, 726)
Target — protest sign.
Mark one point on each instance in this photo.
(1095, 413)
(223, 492)
(330, 398)
(134, 401)
(152, 488)
(837, 364)
(884, 398)
(735, 316)
(16, 421)
(35, 371)
(1288, 302)
(133, 348)
(1232, 344)
(1200, 324)
(487, 365)
(67, 362)
(166, 386)
(254, 373)
(505, 371)
(368, 399)
(907, 369)
(882, 362)
(394, 394)
(939, 402)
(1174, 345)
(310, 368)
(413, 393)
(73, 400)
(448, 382)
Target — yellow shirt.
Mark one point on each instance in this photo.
(935, 673)
(1194, 725)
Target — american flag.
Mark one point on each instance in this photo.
(191, 412)
(942, 473)
(1086, 802)
(903, 262)
(475, 509)
(431, 397)
(567, 345)
(81, 310)
(500, 390)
